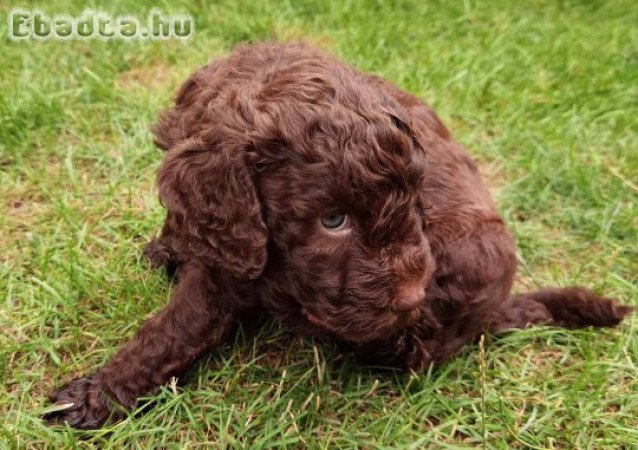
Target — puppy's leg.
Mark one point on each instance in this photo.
(474, 283)
(165, 346)
(160, 252)
(157, 253)
(571, 307)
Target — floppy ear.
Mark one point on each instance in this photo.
(208, 187)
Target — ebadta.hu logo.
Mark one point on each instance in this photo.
(23, 24)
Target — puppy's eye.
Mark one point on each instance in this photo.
(334, 221)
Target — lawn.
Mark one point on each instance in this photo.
(544, 94)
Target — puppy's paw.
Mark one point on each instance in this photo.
(83, 404)
(157, 254)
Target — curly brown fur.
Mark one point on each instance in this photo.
(260, 148)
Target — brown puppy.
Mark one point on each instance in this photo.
(300, 188)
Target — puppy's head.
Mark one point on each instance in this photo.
(311, 187)
(346, 219)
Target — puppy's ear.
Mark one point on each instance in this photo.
(209, 188)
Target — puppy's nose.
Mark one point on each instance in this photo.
(408, 299)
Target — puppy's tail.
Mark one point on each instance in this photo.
(571, 307)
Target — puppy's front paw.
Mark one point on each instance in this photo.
(157, 254)
(83, 404)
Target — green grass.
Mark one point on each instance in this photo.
(543, 93)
